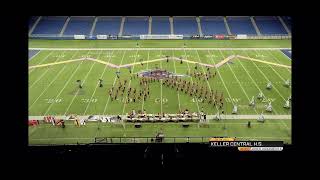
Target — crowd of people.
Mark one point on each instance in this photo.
(132, 94)
(195, 89)
(202, 76)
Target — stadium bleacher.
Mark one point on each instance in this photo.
(79, 25)
(185, 25)
(160, 25)
(287, 20)
(32, 20)
(241, 25)
(213, 25)
(50, 25)
(136, 26)
(269, 25)
(107, 25)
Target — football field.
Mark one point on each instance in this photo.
(241, 74)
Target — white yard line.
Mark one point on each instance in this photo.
(283, 80)
(226, 133)
(61, 70)
(114, 81)
(41, 60)
(220, 78)
(278, 61)
(97, 87)
(175, 71)
(65, 85)
(238, 81)
(42, 73)
(124, 104)
(161, 81)
(133, 49)
(260, 89)
(266, 78)
(209, 116)
(147, 69)
(255, 83)
(192, 81)
(56, 76)
(275, 88)
(85, 78)
(104, 70)
(39, 78)
(253, 80)
(155, 60)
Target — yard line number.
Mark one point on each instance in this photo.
(59, 56)
(85, 56)
(158, 100)
(50, 101)
(87, 100)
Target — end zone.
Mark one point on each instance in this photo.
(33, 53)
(287, 52)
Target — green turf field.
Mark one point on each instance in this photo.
(53, 88)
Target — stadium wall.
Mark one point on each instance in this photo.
(112, 37)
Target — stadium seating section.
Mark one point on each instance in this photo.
(136, 26)
(187, 26)
(269, 25)
(160, 25)
(288, 21)
(32, 20)
(79, 25)
(213, 25)
(241, 25)
(107, 25)
(49, 25)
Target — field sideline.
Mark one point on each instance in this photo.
(53, 89)
(37, 43)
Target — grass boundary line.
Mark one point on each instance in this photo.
(121, 49)
(211, 116)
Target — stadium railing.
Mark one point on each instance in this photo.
(129, 140)
(99, 140)
(184, 139)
